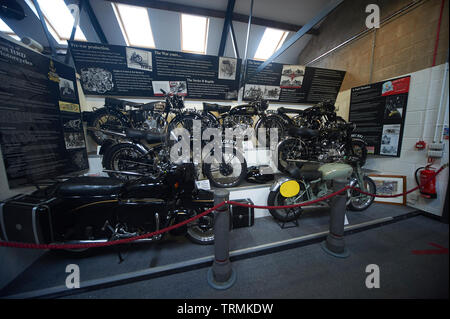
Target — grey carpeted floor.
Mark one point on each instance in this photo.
(296, 273)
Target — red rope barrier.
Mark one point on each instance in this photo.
(161, 231)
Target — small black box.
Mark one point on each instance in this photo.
(242, 216)
(26, 219)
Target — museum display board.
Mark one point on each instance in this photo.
(291, 83)
(379, 110)
(41, 132)
(139, 72)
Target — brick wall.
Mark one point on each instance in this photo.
(403, 45)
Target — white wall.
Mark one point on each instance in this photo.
(423, 103)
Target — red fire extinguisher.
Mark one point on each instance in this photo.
(427, 175)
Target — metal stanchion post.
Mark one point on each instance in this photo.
(221, 275)
(335, 243)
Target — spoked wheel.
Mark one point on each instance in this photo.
(130, 159)
(105, 121)
(358, 201)
(272, 121)
(288, 214)
(201, 231)
(288, 150)
(226, 170)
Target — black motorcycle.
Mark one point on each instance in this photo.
(332, 143)
(99, 209)
(115, 116)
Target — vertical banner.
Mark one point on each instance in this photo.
(41, 132)
(379, 110)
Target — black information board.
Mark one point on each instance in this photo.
(379, 110)
(292, 83)
(41, 133)
(139, 72)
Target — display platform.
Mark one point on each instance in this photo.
(48, 271)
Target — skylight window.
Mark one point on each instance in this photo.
(271, 41)
(135, 25)
(58, 18)
(194, 33)
(7, 30)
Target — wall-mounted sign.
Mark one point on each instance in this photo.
(292, 83)
(41, 134)
(138, 72)
(379, 110)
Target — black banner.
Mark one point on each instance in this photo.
(379, 110)
(41, 133)
(139, 72)
(292, 83)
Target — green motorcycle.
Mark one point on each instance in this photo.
(309, 181)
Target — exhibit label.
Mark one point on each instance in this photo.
(41, 134)
(379, 110)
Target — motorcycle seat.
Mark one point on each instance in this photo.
(307, 175)
(150, 137)
(121, 104)
(88, 186)
(214, 107)
(286, 110)
(302, 132)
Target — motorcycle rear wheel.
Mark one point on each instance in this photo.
(201, 231)
(102, 119)
(224, 174)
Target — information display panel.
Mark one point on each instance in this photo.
(139, 72)
(41, 132)
(379, 110)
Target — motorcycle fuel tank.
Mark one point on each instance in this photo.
(332, 171)
(243, 110)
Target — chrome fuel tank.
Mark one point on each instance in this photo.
(332, 171)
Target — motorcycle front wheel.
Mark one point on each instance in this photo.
(286, 214)
(228, 169)
(201, 231)
(358, 201)
(271, 121)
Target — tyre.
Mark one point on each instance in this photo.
(201, 231)
(102, 119)
(271, 121)
(228, 169)
(286, 215)
(358, 201)
(130, 158)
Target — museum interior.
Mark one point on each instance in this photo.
(250, 149)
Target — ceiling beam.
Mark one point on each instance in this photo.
(226, 26)
(94, 21)
(176, 7)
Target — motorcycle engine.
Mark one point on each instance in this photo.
(330, 151)
(238, 121)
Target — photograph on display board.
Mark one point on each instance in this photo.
(253, 91)
(394, 107)
(292, 76)
(178, 87)
(139, 59)
(96, 80)
(227, 68)
(390, 139)
(74, 140)
(160, 85)
(66, 89)
(271, 92)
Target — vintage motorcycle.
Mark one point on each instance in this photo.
(332, 143)
(114, 116)
(309, 181)
(91, 209)
(138, 153)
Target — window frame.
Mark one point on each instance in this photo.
(279, 44)
(205, 42)
(124, 30)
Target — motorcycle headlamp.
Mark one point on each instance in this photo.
(289, 188)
